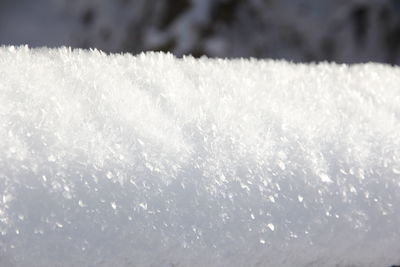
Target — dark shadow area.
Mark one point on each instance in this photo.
(300, 31)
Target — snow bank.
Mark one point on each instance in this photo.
(149, 160)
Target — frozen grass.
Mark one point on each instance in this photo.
(149, 160)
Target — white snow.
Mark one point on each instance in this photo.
(150, 160)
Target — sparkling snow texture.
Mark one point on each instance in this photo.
(150, 160)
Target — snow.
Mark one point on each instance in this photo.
(150, 160)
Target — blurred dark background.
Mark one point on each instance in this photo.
(348, 31)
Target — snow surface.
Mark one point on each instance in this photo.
(150, 160)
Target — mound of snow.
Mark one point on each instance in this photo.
(150, 160)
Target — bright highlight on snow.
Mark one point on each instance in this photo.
(150, 160)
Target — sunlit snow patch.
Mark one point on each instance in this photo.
(149, 160)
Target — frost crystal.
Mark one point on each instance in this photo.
(150, 160)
